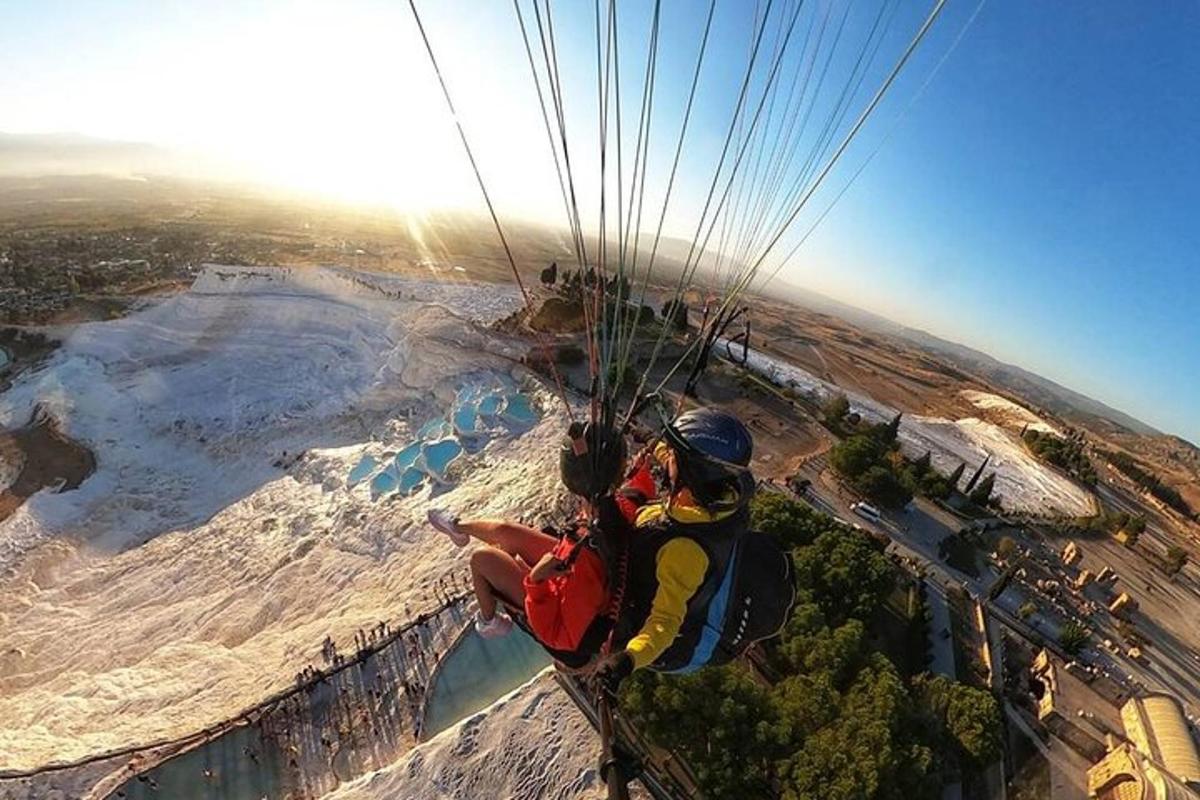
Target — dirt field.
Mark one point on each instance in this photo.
(49, 459)
(890, 371)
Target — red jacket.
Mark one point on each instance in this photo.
(561, 608)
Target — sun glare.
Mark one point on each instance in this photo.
(339, 101)
(344, 108)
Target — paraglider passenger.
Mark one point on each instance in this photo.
(559, 582)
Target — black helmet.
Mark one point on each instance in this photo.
(592, 459)
(712, 448)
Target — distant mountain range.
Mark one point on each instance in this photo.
(72, 154)
(1040, 391)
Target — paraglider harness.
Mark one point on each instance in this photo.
(591, 459)
(613, 552)
(617, 766)
(746, 595)
(747, 591)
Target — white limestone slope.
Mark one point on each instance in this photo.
(1008, 413)
(531, 745)
(1022, 483)
(200, 566)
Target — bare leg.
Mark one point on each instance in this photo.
(497, 576)
(511, 537)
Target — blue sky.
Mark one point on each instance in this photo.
(1041, 202)
(1037, 201)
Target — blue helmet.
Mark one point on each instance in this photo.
(712, 448)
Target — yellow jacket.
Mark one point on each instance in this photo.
(680, 566)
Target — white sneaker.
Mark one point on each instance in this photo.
(499, 625)
(442, 521)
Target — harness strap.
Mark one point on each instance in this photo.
(618, 572)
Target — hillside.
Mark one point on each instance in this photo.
(220, 538)
(1035, 389)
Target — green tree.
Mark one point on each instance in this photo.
(864, 752)
(1116, 521)
(881, 485)
(846, 575)
(1073, 637)
(886, 432)
(956, 475)
(966, 720)
(789, 521)
(976, 475)
(854, 456)
(934, 485)
(805, 704)
(835, 408)
(836, 653)
(1176, 558)
(973, 722)
(1069, 454)
(721, 720)
(982, 493)
(924, 463)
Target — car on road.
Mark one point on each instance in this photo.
(867, 511)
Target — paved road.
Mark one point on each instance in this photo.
(915, 532)
(940, 631)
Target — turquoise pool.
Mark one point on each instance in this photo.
(485, 407)
(475, 673)
(363, 470)
(407, 457)
(437, 457)
(384, 482)
(219, 770)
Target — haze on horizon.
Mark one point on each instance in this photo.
(1033, 200)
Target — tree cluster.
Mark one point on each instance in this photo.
(1067, 454)
(572, 283)
(575, 288)
(1148, 481)
(1176, 558)
(981, 494)
(837, 720)
(871, 462)
(1112, 522)
(834, 411)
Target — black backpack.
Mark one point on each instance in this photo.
(747, 594)
(762, 593)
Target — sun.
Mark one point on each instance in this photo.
(340, 100)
